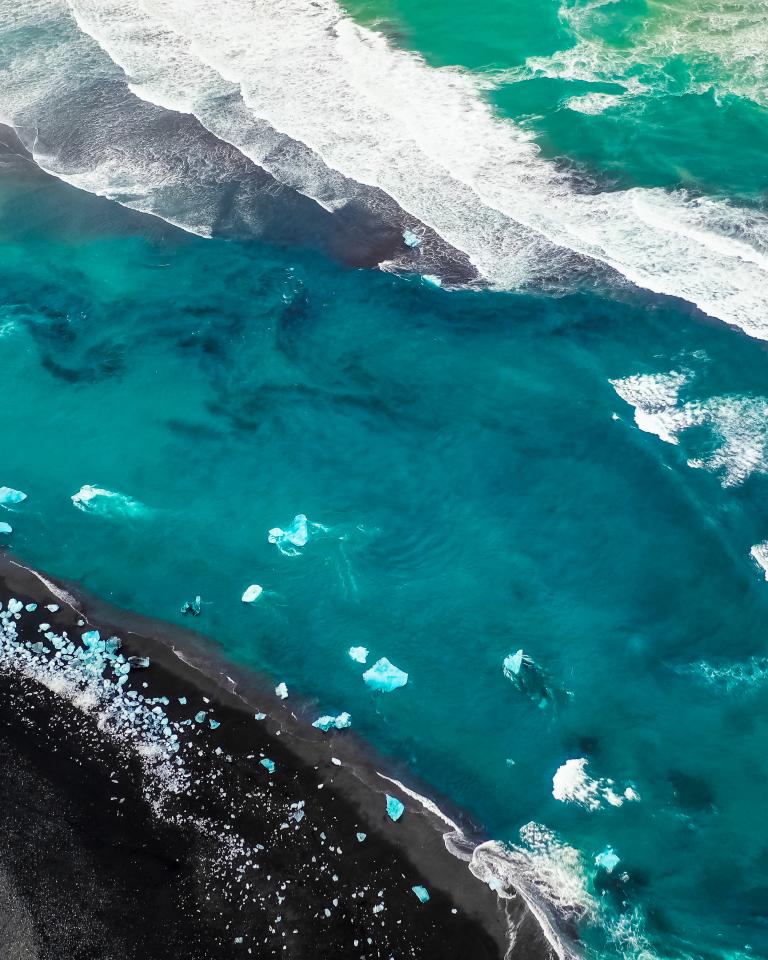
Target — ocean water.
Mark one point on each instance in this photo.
(543, 428)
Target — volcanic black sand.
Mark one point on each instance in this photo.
(94, 863)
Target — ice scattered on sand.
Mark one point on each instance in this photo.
(395, 808)
(385, 676)
(106, 503)
(252, 593)
(572, 784)
(9, 496)
(359, 654)
(296, 536)
(281, 691)
(608, 860)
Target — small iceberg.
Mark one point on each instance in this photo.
(252, 593)
(326, 723)
(192, 608)
(361, 837)
(607, 860)
(291, 540)
(512, 664)
(106, 503)
(269, 765)
(395, 809)
(5, 527)
(385, 676)
(421, 892)
(281, 691)
(360, 654)
(9, 496)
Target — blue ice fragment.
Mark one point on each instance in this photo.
(183, 701)
(385, 676)
(361, 837)
(15, 606)
(260, 716)
(9, 496)
(360, 654)
(5, 527)
(192, 607)
(607, 859)
(509, 763)
(411, 239)
(200, 717)
(214, 723)
(31, 607)
(512, 664)
(269, 764)
(395, 809)
(327, 722)
(421, 892)
(291, 540)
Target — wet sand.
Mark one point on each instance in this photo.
(94, 864)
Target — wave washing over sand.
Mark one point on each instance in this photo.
(376, 126)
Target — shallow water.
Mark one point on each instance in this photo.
(484, 486)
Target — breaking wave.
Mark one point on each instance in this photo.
(377, 131)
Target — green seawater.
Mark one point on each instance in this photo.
(485, 490)
(484, 486)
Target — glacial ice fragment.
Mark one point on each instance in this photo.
(268, 764)
(252, 593)
(421, 892)
(52, 607)
(411, 239)
(360, 654)
(91, 637)
(361, 837)
(105, 503)
(281, 691)
(385, 676)
(15, 606)
(5, 527)
(512, 664)
(214, 724)
(31, 607)
(9, 496)
(200, 716)
(260, 716)
(395, 809)
(291, 541)
(607, 859)
(192, 607)
(327, 722)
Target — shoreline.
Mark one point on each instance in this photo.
(343, 785)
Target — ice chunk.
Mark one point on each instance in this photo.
(326, 723)
(361, 837)
(385, 676)
(91, 637)
(252, 593)
(214, 724)
(5, 527)
(360, 654)
(291, 541)
(105, 503)
(260, 716)
(268, 764)
(607, 859)
(395, 809)
(15, 606)
(411, 239)
(192, 607)
(9, 496)
(281, 691)
(421, 892)
(200, 716)
(31, 607)
(183, 701)
(512, 664)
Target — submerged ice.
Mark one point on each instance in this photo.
(291, 540)
(106, 503)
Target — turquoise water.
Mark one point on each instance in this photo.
(484, 484)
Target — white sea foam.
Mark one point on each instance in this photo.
(572, 784)
(593, 103)
(737, 425)
(380, 117)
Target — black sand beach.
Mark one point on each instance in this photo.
(97, 860)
